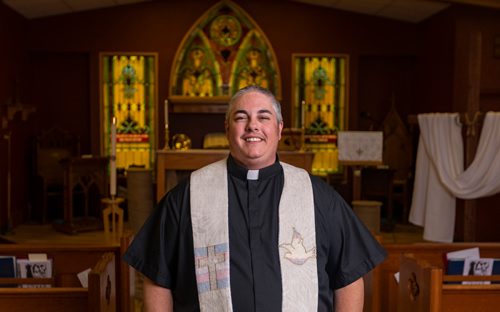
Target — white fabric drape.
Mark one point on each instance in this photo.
(440, 175)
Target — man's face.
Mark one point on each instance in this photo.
(253, 131)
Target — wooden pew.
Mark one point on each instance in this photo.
(424, 287)
(387, 291)
(371, 282)
(64, 294)
(70, 259)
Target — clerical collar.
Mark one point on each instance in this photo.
(244, 174)
(252, 174)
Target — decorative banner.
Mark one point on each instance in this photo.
(360, 146)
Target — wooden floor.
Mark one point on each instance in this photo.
(46, 234)
(403, 234)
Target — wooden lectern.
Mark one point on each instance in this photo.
(358, 149)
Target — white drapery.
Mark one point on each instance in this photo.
(440, 175)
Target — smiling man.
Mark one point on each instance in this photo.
(250, 233)
(253, 128)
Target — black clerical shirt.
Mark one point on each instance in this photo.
(163, 249)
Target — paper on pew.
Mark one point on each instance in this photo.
(396, 277)
(37, 257)
(83, 276)
(464, 253)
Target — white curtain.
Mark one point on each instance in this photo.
(440, 175)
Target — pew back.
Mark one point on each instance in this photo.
(430, 252)
(423, 287)
(100, 296)
(68, 259)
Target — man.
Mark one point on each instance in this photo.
(252, 234)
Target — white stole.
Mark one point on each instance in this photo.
(297, 239)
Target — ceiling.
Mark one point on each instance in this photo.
(405, 10)
(42, 8)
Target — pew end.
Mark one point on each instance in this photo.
(417, 280)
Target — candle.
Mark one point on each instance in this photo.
(166, 114)
(302, 114)
(112, 163)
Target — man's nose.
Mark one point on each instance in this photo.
(252, 124)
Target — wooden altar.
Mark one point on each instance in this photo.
(170, 162)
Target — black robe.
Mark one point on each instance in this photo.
(163, 248)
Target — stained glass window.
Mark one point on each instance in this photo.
(128, 90)
(320, 97)
(222, 52)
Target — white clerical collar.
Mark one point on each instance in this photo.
(252, 174)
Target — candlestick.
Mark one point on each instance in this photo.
(112, 160)
(167, 146)
(302, 114)
(166, 114)
(302, 125)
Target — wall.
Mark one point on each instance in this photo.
(443, 62)
(158, 27)
(421, 59)
(487, 22)
(12, 56)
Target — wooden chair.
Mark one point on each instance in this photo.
(85, 183)
(52, 147)
(398, 155)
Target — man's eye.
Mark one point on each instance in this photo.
(238, 118)
(264, 117)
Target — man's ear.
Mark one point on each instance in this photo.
(280, 128)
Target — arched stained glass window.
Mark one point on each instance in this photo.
(223, 51)
(320, 97)
(128, 92)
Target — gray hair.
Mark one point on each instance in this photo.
(255, 88)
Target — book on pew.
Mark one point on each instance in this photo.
(27, 268)
(7, 269)
(473, 267)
